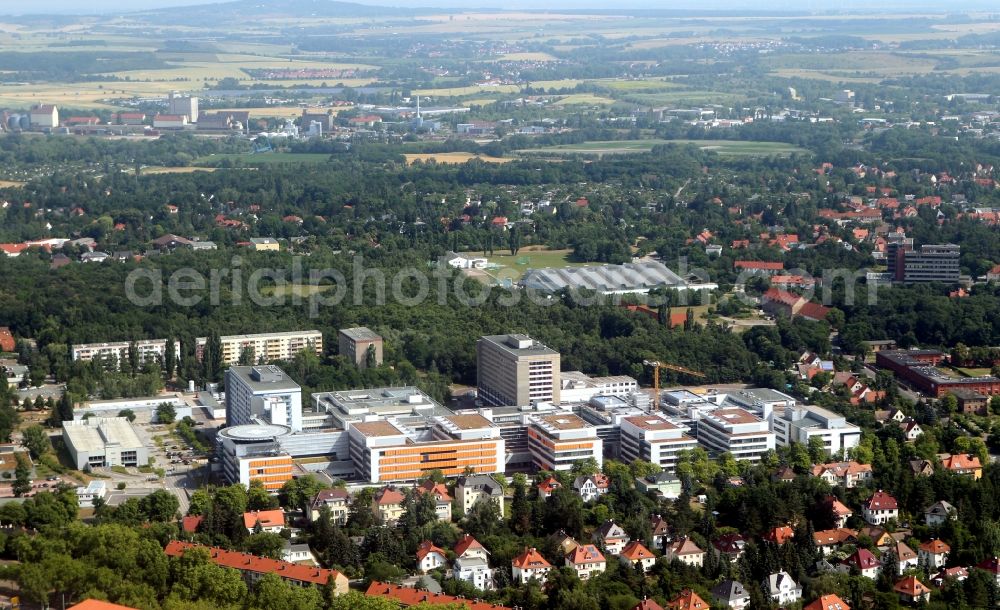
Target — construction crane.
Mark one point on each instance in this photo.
(658, 366)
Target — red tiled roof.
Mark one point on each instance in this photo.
(636, 551)
(190, 523)
(465, 543)
(266, 518)
(426, 548)
(388, 496)
(780, 535)
(935, 547)
(647, 604)
(96, 604)
(438, 489)
(881, 501)
(762, 265)
(408, 596)
(252, 563)
(827, 602)
(911, 586)
(585, 553)
(530, 558)
(687, 600)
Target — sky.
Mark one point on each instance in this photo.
(116, 6)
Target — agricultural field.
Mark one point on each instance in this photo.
(723, 147)
(452, 158)
(585, 99)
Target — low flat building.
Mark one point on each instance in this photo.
(263, 348)
(151, 350)
(101, 442)
(800, 424)
(920, 369)
(629, 278)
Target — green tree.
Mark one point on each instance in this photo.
(161, 505)
(128, 414)
(9, 419)
(299, 491)
(36, 440)
(22, 475)
(258, 498)
(264, 544)
(165, 413)
(170, 359)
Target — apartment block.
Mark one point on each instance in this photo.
(741, 433)
(360, 345)
(256, 394)
(516, 370)
(654, 439)
(557, 441)
(264, 347)
(151, 350)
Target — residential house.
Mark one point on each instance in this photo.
(563, 541)
(529, 564)
(922, 468)
(472, 563)
(939, 512)
(912, 591)
(647, 604)
(839, 511)
(387, 505)
(847, 474)
(829, 541)
(827, 602)
(933, 554)
(906, 557)
(442, 499)
(430, 557)
(865, 562)
(297, 553)
(265, 244)
(782, 589)
(957, 573)
(586, 561)
(336, 500)
(731, 594)
(991, 566)
(612, 536)
(880, 508)
(409, 596)
(911, 429)
(685, 551)
(549, 485)
(687, 600)
(779, 535)
(636, 554)
(270, 521)
(963, 464)
(471, 490)
(659, 531)
(592, 487)
(730, 545)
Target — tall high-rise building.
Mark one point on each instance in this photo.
(516, 370)
(931, 263)
(262, 394)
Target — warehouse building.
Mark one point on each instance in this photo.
(101, 442)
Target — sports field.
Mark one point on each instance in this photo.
(530, 257)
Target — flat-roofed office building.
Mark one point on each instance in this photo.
(516, 370)
(100, 442)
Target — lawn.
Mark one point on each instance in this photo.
(584, 99)
(972, 372)
(723, 147)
